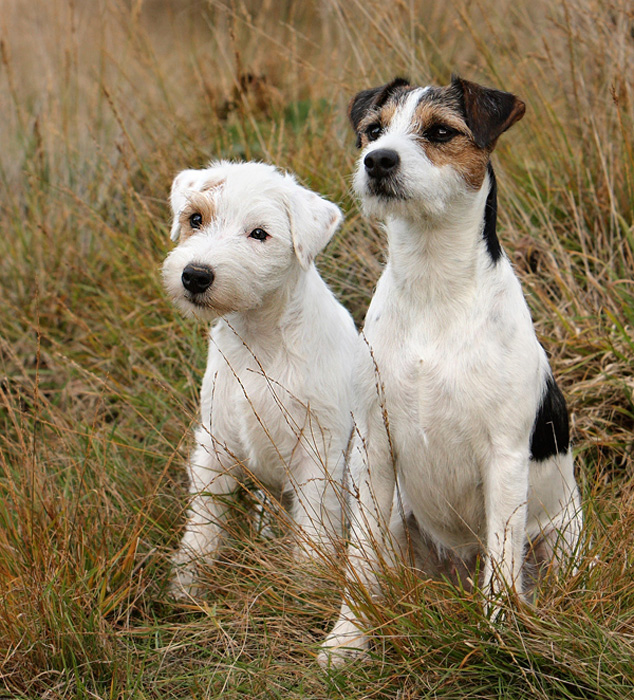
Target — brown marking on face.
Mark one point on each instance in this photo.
(461, 151)
(197, 203)
(438, 107)
(213, 184)
(382, 117)
(479, 115)
(373, 99)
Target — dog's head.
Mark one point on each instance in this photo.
(244, 229)
(426, 149)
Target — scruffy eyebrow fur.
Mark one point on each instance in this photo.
(366, 107)
(212, 184)
(373, 99)
(197, 203)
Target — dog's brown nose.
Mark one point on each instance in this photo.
(197, 278)
(381, 162)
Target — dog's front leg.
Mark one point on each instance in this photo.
(317, 506)
(506, 493)
(210, 486)
(373, 485)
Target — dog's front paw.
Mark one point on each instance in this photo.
(494, 610)
(499, 602)
(184, 583)
(345, 643)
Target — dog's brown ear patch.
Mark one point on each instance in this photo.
(373, 99)
(488, 112)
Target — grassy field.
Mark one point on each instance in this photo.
(102, 103)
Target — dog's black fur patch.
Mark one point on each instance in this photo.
(489, 232)
(551, 434)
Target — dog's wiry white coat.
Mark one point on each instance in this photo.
(461, 376)
(276, 395)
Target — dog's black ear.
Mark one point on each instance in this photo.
(489, 113)
(374, 98)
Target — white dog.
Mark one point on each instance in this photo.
(276, 395)
(468, 420)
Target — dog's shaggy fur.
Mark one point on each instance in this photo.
(476, 435)
(276, 395)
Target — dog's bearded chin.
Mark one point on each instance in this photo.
(198, 309)
(381, 205)
(380, 199)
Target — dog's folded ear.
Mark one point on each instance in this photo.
(489, 113)
(313, 222)
(185, 180)
(372, 99)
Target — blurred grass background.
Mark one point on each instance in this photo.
(103, 102)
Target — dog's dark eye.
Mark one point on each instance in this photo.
(196, 220)
(259, 234)
(373, 132)
(439, 133)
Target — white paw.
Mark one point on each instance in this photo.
(498, 603)
(345, 643)
(184, 584)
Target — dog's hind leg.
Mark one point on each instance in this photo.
(555, 519)
(556, 545)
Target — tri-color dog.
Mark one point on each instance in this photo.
(277, 391)
(476, 437)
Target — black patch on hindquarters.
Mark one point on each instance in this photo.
(551, 435)
(489, 233)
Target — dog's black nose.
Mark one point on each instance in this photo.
(381, 162)
(197, 278)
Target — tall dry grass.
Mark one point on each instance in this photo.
(102, 103)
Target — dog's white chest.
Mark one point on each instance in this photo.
(272, 416)
(271, 421)
(246, 407)
(436, 421)
(432, 391)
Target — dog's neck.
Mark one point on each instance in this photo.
(263, 328)
(439, 263)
